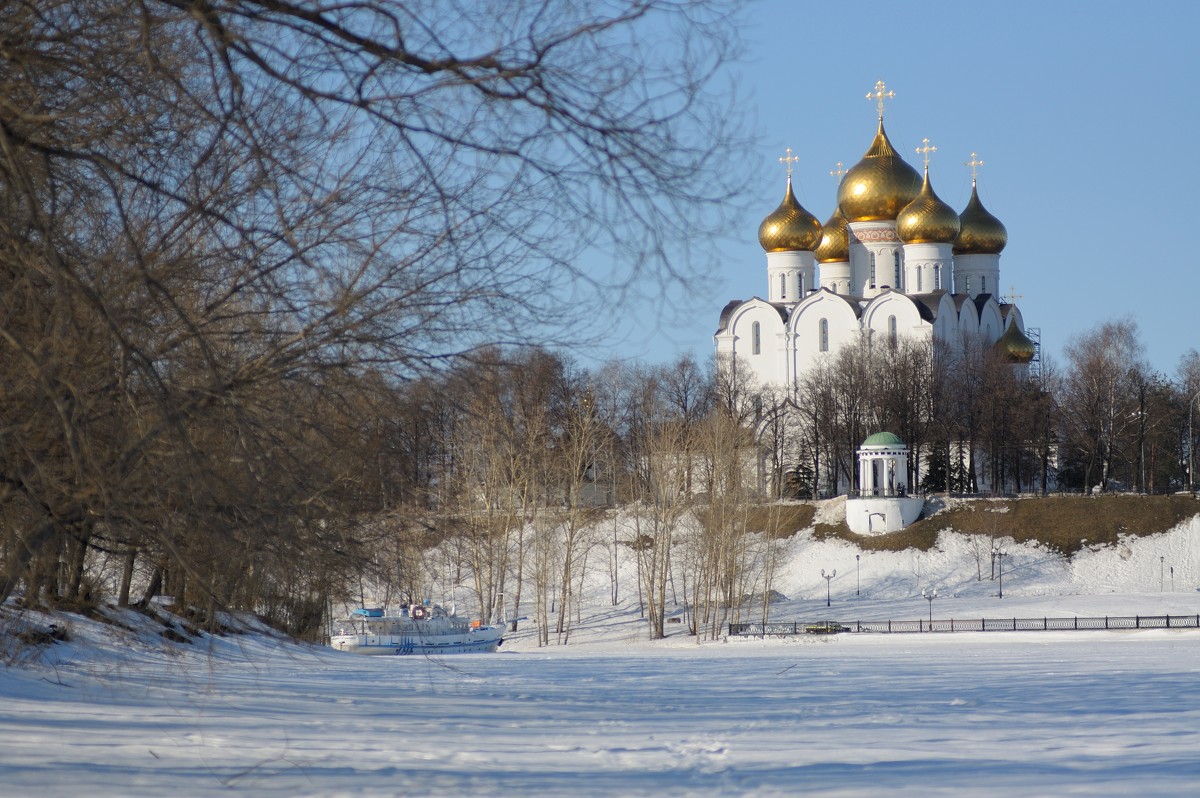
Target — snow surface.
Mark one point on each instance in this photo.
(120, 712)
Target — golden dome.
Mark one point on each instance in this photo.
(980, 232)
(1014, 346)
(835, 243)
(789, 228)
(927, 219)
(879, 185)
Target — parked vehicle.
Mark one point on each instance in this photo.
(826, 628)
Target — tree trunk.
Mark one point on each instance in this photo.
(126, 577)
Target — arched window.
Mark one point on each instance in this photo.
(824, 335)
(800, 284)
(937, 276)
(756, 339)
(983, 283)
(783, 286)
(892, 330)
(896, 257)
(920, 271)
(967, 284)
(872, 277)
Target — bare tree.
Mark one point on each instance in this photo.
(1100, 397)
(214, 211)
(1188, 379)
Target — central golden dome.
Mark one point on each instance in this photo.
(835, 243)
(927, 219)
(1014, 346)
(879, 185)
(980, 233)
(789, 228)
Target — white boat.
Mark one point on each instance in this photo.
(418, 629)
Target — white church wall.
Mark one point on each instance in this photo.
(968, 318)
(879, 313)
(991, 322)
(946, 326)
(757, 342)
(813, 340)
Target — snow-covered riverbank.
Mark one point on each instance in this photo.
(121, 713)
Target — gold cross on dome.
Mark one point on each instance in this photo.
(788, 160)
(879, 95)
(1013, 296)
(839, 171)
(974, 163)
(924, 150)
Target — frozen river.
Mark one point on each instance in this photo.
(1088, 713)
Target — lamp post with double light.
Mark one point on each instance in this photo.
(828, 578)
(998, 556)
(929, 595)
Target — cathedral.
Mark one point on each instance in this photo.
(893, 261)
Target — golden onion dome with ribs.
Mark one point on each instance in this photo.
(1014, 346)
(979, 231)
(789, 228)
(880, 185)
(927, 220)
(835, 239)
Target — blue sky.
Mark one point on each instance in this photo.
(1083, 113)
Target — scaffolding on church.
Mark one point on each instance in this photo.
(1035, 365)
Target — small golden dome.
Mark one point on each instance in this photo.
(879, 185)
(789, 228)
(835, 243)
(980, 232)
(927, 219)
(1014, 346)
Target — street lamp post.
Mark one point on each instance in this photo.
(857, 575)
(998, 556)
(1162, 561)
(828, 577)
(930, 595)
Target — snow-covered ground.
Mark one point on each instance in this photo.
(120, 713)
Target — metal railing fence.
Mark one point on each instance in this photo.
(1047, 624)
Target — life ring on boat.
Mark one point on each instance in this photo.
(419, 613)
